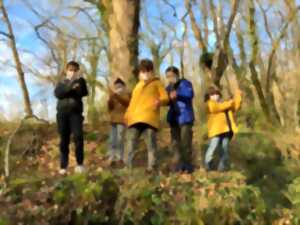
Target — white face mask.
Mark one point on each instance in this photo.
(71, 74)
(215, 97)
(119, 90)
(172, 78)
(144, 76)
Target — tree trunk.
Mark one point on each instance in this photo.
(93, 59)
(20, 72)
(157, 59)
(121, 20)
(259, 90)
(220, 59)
(266, 100)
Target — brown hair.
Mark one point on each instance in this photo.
(120, 81)
(146, 65)
(211, 91)
(173, 69)
(73, 64)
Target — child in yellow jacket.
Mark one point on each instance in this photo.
(221, 126)
(143, 113)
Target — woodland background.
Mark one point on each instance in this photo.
(254, 44)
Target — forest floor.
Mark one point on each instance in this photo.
(266, 162)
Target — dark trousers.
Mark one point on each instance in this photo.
(148, 133)
(70, 123)
(181, 142)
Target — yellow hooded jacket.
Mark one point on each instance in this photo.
(142, 107)
(217, 119)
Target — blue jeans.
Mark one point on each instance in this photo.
(117, 142)
(214, 143)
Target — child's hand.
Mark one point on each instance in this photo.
(157, 104)
(238, 93)
(76, 85)
(125, 119)
(173, 95)
(237, 99)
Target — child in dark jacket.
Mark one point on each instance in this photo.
(181, 117)
(69, 92)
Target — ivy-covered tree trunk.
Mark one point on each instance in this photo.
(157, 59)
(254, 59)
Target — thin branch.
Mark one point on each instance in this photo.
(5, 34)
(7, 150)
(196, 29)
(266, 22)
(172, 7)
(215, 20)
(234, 10)
(276, 44)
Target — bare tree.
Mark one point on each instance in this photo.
(157, 40)
(178, 40)
(21, 76)
(265, 94)
(85, 46)
(220, 58)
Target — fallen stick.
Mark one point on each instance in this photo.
(7, 151)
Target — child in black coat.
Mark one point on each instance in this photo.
(69, 92)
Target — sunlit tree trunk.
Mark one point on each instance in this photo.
(121, 21)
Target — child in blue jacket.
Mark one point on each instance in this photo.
(181, 117)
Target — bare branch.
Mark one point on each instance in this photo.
(172, 7)
(196, 29)
(234, 10)
(5, 34)
(17, 60)
(215, 20)
(266, 22)
(276, 44)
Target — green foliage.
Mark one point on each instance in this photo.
(251, 118)
(263, 191)
(293, 195)
(260, 160)
(196, 199)
(91, 136)
(3, 221)
(75, 198)
(132, 197)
